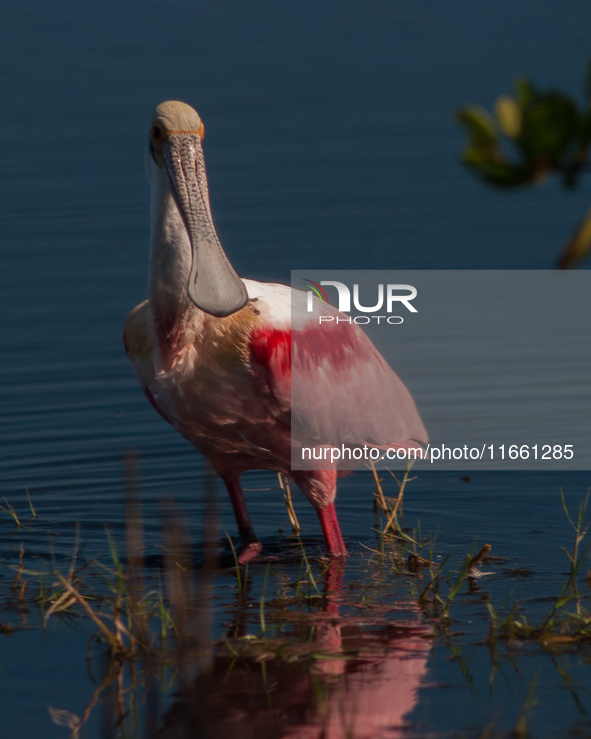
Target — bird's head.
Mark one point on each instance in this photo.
(176, 132)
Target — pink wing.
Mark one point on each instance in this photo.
(333, 385)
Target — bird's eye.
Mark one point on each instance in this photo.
(156, 133)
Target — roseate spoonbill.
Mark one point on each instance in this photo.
(213, 353)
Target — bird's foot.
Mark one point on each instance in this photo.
(249, 550)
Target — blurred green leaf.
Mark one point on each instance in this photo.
(578, 246)
(550, 123)
(551, 134)
(480, 125)
(524, 91)
(509, 117)
(496, 170)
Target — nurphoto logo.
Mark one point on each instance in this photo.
(386, 299)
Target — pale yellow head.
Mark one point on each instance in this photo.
(173, 117)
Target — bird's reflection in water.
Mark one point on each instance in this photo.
(360, 679)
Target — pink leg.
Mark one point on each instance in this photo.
(335, 545)
(320, 487)
(250, 546)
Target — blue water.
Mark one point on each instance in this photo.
(330, 143)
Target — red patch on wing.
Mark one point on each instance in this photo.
(341, 345)
(272, 347)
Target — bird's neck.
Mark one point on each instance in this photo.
(170, 266)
